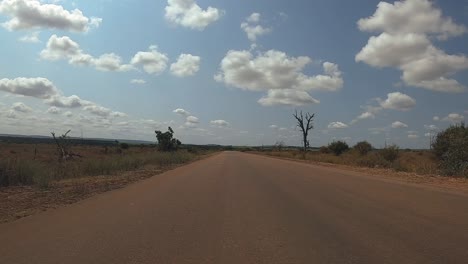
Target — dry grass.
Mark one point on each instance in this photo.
(24, 164)
(420, 162)
(68, 182)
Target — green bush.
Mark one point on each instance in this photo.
(451, 147)
(390, 153)
(363, 147)
(338, 147)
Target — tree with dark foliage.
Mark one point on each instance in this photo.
(166, 142)
(305, 124)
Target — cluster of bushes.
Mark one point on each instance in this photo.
(15, 171)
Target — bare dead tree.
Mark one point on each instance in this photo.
(63, 147)
(305, 124)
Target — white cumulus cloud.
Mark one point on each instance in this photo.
(454, 118)
(252, 28)
(21, 107)
(287, 97)
(137, 81)
(33, 14)
(398, 101)
(404, 43)
(398, 124)
(30, 38)
(337, 125)
(220, 123)
(53, 110)
(153, 61)
(34, 87)
(188, 13)
(186, 65)
(273, 71)
(64, 48)
(181, 111)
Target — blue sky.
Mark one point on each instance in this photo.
(234, 72)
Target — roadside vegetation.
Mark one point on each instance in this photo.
(42, 164)
(448, 156)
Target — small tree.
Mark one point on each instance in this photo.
(166, 142)
(363, 147)
(451, 147)
(279, 145)
(338, 147)
(305, 124)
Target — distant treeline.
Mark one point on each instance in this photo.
(50, 140)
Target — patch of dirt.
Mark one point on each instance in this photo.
(22, 201)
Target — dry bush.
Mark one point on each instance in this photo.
(363, 147)
(390, 153)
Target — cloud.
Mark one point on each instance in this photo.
(186, 65)
(220, 123)
(413, 136)
(273, 71)
(398, 124)
(405, 44)
(366, 115)
(398, 101)
(107, 62)
(188, 13)
(67, 102)
(68, 114)
(252, 28)
(181, 111)
(153, 61)
(273, 126)
(411, 16)
(64, 48)
(454, 118)
(32, 14)
(33, 87)
(53, 110)
(191, 121)
(431, 127)
(31, 38)
(138, 81)
(337, 125)
(394, 101)
(11, 114)
(436, 118)
(287, 97)
(21, 107)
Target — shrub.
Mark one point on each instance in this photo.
(363, 147)
(451, 147)
(338, 147)
(124, 146)
(390, 153)
(324, 150)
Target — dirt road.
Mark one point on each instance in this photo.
(242, 208)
